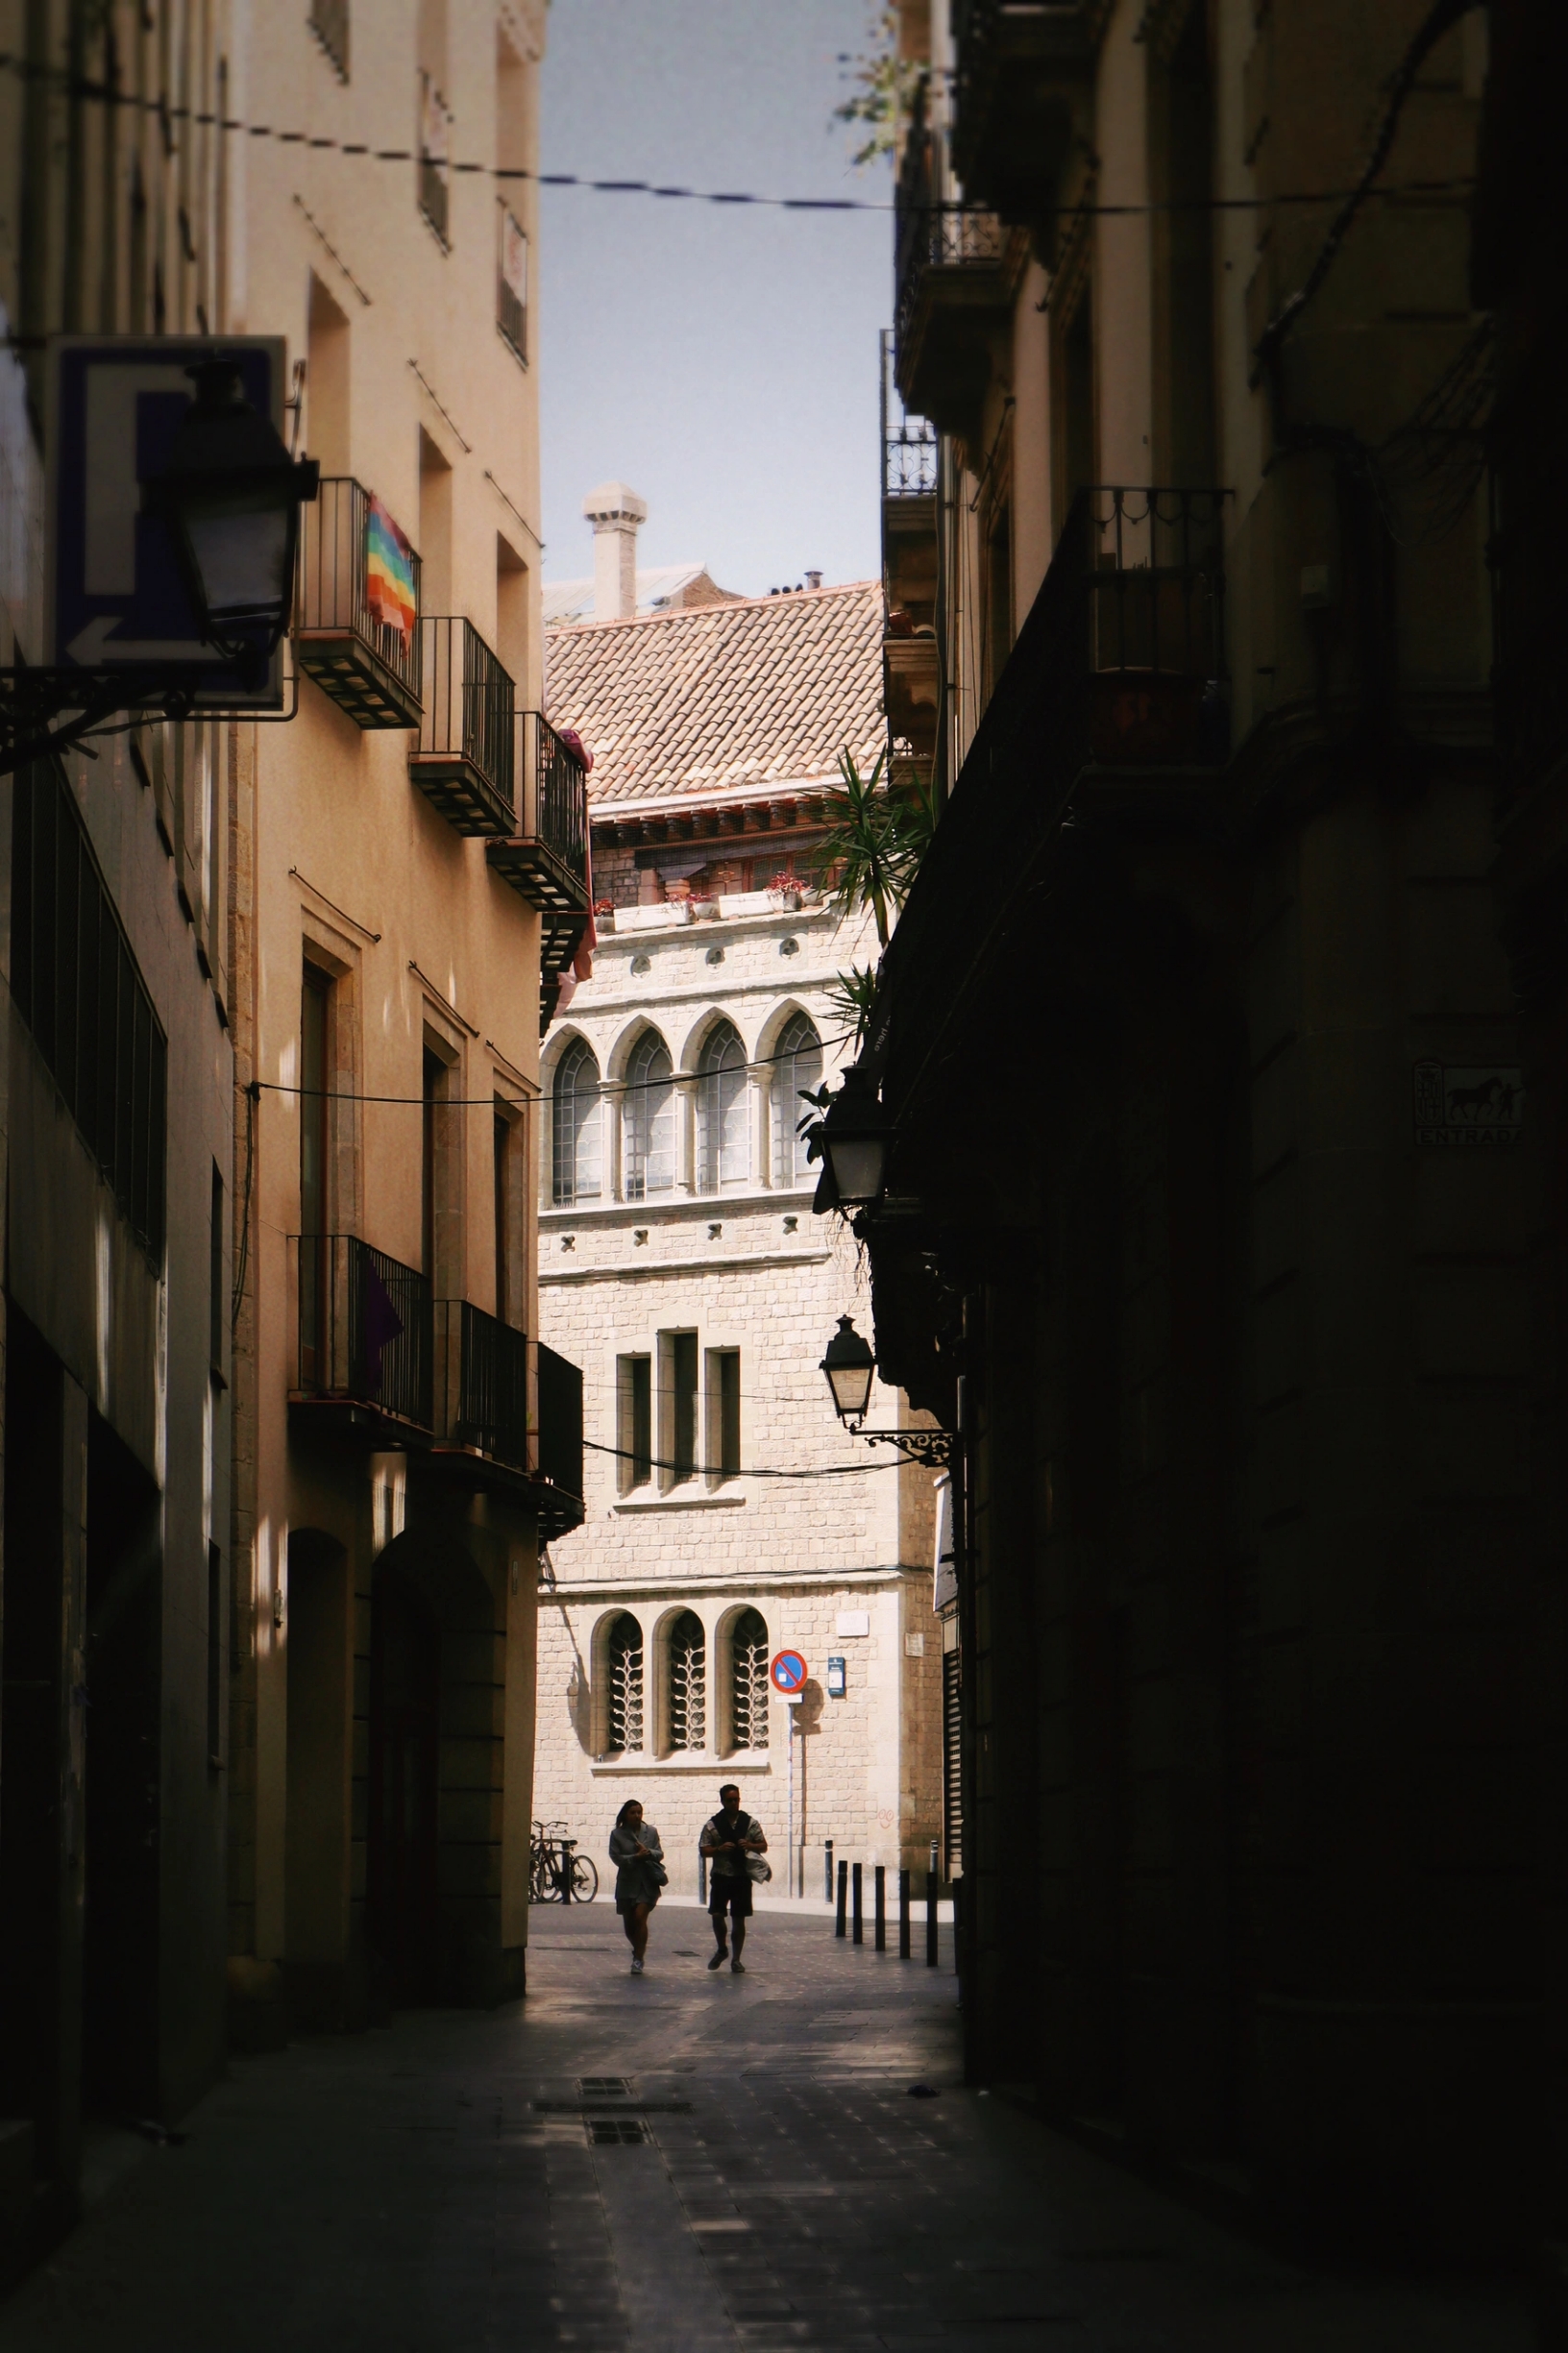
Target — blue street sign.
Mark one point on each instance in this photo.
(117, 598)
(788, 1671)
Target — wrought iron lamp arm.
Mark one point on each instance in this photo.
(936, 1449)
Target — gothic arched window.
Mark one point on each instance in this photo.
(624, 1686)
(748, 1681)
(724, 1146)
(648, 1120)
(798, 1065)
(687, 1685)
(577, 1111)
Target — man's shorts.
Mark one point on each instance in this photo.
(731, 1895)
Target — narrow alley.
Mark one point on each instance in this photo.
(693, 2160)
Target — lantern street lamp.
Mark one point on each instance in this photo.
(855, 1135)
(850, 1368)
(231, 496)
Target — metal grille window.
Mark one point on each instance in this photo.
(75, 984)
(512, 284)
(688, 1683)
(648, 1122)
(724, 1148)
(623, 1681)
(748, 1681)
(952, 1781)
(577, 1113)
(798, 1066)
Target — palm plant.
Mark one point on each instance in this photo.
(878, 838)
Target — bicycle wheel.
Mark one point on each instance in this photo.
(584, 1879)
(543, 1887)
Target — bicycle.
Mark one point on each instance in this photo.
(548, 1854)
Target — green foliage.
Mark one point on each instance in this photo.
(879, 832)
(884, 84)
(851, 998)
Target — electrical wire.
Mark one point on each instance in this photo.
(830, 1470)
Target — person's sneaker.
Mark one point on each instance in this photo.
(737, 1969)
(636, 1966)
(718, 1961)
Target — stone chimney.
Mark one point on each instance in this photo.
(615, 514)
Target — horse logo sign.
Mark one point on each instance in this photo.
(1464, 1106)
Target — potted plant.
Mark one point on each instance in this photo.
(786, 890)
(603, 916)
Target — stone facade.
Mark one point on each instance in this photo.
(836, 1566)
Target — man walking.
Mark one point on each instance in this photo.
(730, 1839)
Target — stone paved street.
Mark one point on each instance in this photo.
(769, 2182)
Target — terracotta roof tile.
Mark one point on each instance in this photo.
(761, 695)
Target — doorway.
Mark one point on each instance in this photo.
(402, 1893)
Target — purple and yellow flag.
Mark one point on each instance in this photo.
(389, 574)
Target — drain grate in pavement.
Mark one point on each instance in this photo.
(614, 2131)
(603, 2087)
(634, 2107)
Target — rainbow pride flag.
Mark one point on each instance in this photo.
(390, 595)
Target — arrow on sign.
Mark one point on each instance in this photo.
(97, 644)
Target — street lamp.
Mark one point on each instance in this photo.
(856, 1134)
(850, 1368)
(231, 496)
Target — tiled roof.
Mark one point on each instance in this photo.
(752, 696)
(574, 599)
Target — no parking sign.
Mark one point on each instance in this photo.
(787, 1671)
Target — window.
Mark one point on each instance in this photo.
(501, 1153)
(217, 1302)
(748, 1681)
(688, 1683)
(624, 1686)
(722, 1144)
(315, 1108)
(329, 23)
(513, 283)
(577, 1111)
(648, 1122)
(798, 1066)
(634, 1420)
(434, 141)
(214, 1656)
(723, 1414)
(677, 1407)
(75, 984)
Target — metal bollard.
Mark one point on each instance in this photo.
(880, 1906)
(857, 1934)
(903, 1916)
(930, 1920)
(701, 1876)
(840, 1922)
(827, 1871)
(566, 1846)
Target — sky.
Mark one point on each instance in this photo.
(722, 360)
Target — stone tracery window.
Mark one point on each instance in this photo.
(797, 1064)
(687, 1685)
(723, 1145)
(748, 1681)
(648, 1120)
(624, 1687)
(576, 1115)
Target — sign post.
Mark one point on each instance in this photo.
(788, 1676)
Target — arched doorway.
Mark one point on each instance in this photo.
(402, 1897)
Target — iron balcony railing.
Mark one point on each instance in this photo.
(366, 1334)
(465, 757)
(951, 240)
(547, 861)
(909, 460)
(356, 626)
(482, 1382)
(560, 1442)
(1157, 582)
(1016, 65)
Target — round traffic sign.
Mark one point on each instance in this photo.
(788, 1671)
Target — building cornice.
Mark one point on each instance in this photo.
(643, 1586)
(638, 1270)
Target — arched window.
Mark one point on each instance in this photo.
(724, 1146)
(577, 1112)
(624, 1687)
(688, 1683)
(748, 1681)
(649, 1121)
(798, 1065)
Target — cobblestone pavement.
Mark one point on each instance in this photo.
(765, 2179)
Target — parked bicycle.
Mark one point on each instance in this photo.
(556, 1872)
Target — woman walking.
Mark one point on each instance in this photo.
(640, 1873)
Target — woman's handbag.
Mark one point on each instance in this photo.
(660, 1874)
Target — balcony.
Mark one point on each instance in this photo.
(547, 861)
(1157, 627)
(464, 760)
(1023, 86)
(356, 628)
(481, 1385)
(364, 1338)
(957, 270)
(560, 1444)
